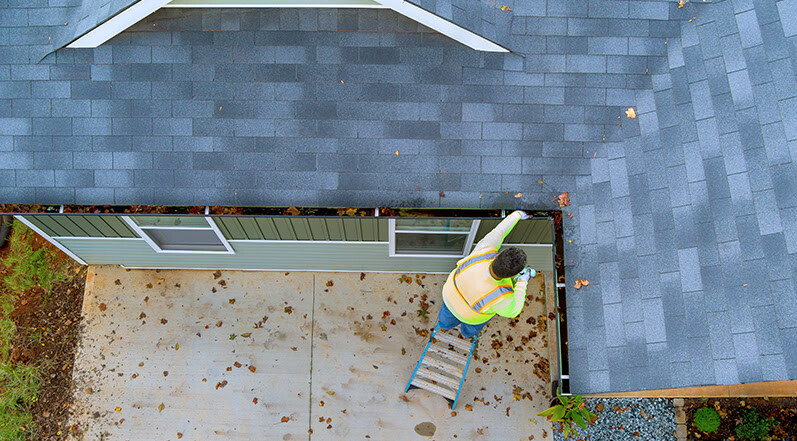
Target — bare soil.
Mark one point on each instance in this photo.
(783, 410)
(48, 326)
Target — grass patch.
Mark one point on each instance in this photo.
(29, 268)
(25, 269)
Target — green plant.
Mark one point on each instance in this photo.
(707, 419)
(569, 411)
(754, 427)
(29, 268)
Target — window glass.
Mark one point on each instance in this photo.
(422, 243)
(186, 240)
(171, 221)
(426, 224)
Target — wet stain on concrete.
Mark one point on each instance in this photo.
(425, 429)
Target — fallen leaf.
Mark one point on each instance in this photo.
(289, 309)
(469, 408)
(563, 200)
(285, 419)
(585, 282)
(218, 325)
(102, 307)
(222, 384)
(159, 281)
(177, 346)
(232, 301)
(252, 369)
(541, 182)
(165, 373)
(233, 336)
(396, 152)
(362, 276)
(236, 364)
(630, 113)
(321, 403)
(164, 321)
(149, 286)
(254, 400)
(519, 195)
(118, 409)
(246, 334)
(293, 211)
(330, 392)
(217, 274)
(179, 435)
(681, 3)
(330, 283)
(442, 194)
(117, 281)
(578, 284)
(161, 407)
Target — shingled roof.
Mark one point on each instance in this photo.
(684, 219)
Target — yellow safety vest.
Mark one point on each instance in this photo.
(471, 290)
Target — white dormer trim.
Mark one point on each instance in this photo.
(141, 9)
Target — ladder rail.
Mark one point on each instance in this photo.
(429, 343)
(465, 372)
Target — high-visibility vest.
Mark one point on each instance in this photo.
(471, 290)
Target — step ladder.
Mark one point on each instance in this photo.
(443, 365)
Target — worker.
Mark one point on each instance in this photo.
(486, 282)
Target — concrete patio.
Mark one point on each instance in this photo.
(198, 355)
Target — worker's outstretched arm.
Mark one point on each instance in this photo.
(515, 306)
(494, 239)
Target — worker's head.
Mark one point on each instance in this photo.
(509, 262)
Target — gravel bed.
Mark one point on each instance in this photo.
(629, 419)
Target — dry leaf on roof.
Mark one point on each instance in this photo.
(519, 195)
(630, 113)
(563, 200)
(681, 4)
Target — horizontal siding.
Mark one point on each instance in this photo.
(528, 231)
(303, 228)
(283, 256)
(83, 225)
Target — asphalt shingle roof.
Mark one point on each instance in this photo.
(684, 219)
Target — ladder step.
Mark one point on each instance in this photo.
(443, 366)
(451, 355)
(450, 339)
(439, 390)
(438, 377)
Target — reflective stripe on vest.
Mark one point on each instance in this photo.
(488, 298)
(491, 296)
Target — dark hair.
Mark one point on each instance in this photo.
(509, 262)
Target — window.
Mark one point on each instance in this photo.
(427, 237)
(176, 234)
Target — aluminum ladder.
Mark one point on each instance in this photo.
(443, 365)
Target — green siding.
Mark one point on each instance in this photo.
(81, 225)
(362, 256)
(303, 228)
(529, 231)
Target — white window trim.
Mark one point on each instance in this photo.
(212, 226)
(50, 239)
(471, 236)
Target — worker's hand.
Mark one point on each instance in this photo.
(524, 215)
(526, 274)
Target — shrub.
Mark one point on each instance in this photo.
(754, 426)
(707, 419)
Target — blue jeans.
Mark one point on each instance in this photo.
(447, 320)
